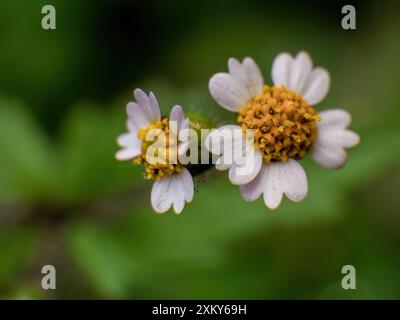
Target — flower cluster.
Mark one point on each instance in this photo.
(276, 127)
(173, 184)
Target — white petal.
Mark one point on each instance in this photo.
(234, 67)
(155, 107)
(129, 139)
(221, 164)
(179, 126)
(227, 158)
(293, 180)
(184, 132)
(254, 77)
(161, 199)
(272, 190)
(299, 70)
(228, 91)
(229, 142)
(187, 181)
(131, 146)
(334, 118)
(177, 194)
(246, 172)
(177, 115)
(127, 153)
(177, 120)
(280, 69)
(276, 179)
(247, 74)
(183, 147)
(182, 190)
(173, 191)
(328, 150)
(148, 104)
(328, 156)
(316, 86)
(131, 126)
(252, 190)
(184, 137)
(297, 74)
(185, 124)
(337, 137)
(137, 117)
(215, 140)
(178, 205)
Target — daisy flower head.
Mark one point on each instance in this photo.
(156, 142)
(284, 125)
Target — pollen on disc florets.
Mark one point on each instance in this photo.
(284, 124)
(155, 170)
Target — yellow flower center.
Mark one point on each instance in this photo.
(162, 161)
(284, 124)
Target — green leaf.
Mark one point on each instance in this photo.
(143, 249)
(87, 152)
(27, 161)
(17, 249)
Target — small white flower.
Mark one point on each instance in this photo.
(285, 125)
(173, 184)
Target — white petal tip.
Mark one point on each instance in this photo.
(273, 206)
(159, 212)
(126, 154)
(177, 211)
(356, 142)
(138, 91)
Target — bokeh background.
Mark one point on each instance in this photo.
(65, 201)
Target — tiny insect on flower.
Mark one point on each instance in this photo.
(286, 127)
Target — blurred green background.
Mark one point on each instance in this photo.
(65, 201)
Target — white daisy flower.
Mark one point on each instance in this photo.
(173, 184)
(286, 126)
